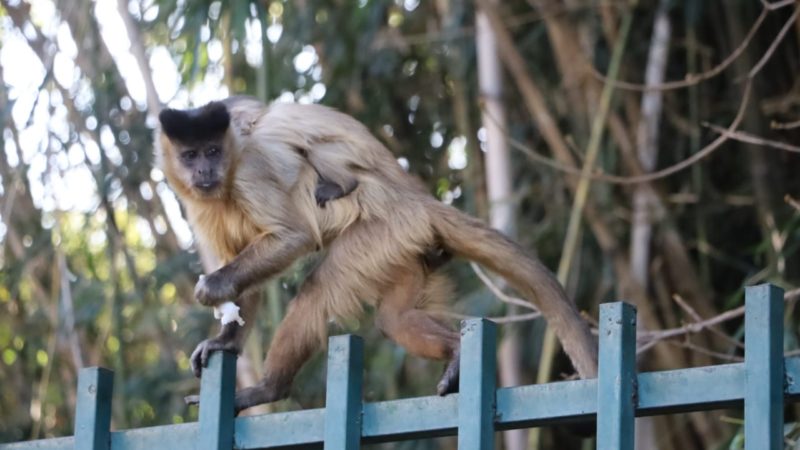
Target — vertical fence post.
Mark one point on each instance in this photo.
(217, 390)
(476, 398)
(763, 360)
(93, 409)
(343, 393)
(616, 381)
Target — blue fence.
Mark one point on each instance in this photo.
(761, 384)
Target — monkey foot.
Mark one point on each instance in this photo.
(249, 397)
(448, 384)
(260, 394)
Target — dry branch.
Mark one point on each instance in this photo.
(775, 125)
(691, 79)
(749, 138)
(645, 178)
(651, 338)
(499, 293)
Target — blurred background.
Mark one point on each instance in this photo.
(496, 106)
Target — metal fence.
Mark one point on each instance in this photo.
(761, 384)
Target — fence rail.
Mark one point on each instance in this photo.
(761, 384)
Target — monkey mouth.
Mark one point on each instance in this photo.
(207, 187)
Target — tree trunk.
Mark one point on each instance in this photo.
(502, 214)
(643, 195)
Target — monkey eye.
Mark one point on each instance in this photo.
(189, 154)
(213, 151)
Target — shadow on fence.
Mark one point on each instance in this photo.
(761, 384)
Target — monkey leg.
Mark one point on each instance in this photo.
(298, 336)
(415, 329)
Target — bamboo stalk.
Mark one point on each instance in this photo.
(549, 346)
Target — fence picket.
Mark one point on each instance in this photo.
(476, 398)
(763, 353)
(217, 388)
(343, 393)
(93, 409)
(616, 383)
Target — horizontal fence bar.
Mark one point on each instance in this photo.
(63, 443)
(280, 429)
(695, 389)
(414, 418)
(667, 392)
(546, 404)
(179, 436)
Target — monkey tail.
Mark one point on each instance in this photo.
(467, 237)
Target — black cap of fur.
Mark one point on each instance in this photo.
(195, 125)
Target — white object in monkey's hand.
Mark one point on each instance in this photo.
(226, 312)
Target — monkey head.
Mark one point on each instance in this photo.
(195, 148)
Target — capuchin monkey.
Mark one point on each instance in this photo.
(265, 185)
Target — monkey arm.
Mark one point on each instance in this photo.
(267, 255)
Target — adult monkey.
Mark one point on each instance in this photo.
(252, 179)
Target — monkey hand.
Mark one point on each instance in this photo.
(199, 358)
(328, 190)
(214, 289)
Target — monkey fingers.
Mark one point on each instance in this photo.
(448, 384)
(200, 355)
(214, 289)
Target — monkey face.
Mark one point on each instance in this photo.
(204, 164)
(197, 137)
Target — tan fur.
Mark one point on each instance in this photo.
(372, 239)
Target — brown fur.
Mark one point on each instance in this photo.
(265, 216)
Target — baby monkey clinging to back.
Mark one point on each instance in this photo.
(258, 184)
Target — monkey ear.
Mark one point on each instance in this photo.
(214, 117)
(173, 122)
(194, 125)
